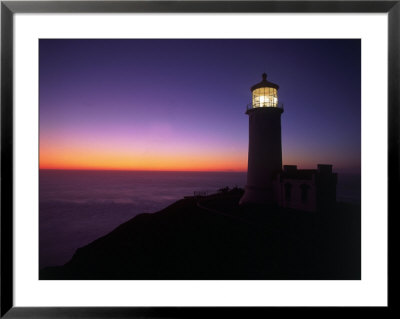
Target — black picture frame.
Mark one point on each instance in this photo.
(9, 8)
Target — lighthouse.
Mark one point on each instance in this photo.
(265, 143)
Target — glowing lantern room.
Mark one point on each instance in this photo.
(264, 94)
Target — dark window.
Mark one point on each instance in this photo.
(288, 191)
(304, 192)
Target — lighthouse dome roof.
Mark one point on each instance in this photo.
(264, 83)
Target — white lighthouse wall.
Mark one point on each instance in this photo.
(265, 154)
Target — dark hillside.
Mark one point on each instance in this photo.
(213, 238)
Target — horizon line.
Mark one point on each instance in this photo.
(138, 170)
(339, 171)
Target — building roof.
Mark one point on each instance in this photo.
(264, 83)
(299, 174)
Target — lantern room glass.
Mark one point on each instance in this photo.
(265, 97)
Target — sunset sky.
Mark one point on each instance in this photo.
(180, 104)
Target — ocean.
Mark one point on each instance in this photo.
(77, 207)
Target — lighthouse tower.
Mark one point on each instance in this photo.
(265, 143)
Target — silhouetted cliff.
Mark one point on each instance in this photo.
(214, 238)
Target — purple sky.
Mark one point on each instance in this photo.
(179, 104)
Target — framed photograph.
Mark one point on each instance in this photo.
(194, 158)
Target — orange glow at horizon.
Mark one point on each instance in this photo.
(101, 160)
(173, 154)
(84, 158)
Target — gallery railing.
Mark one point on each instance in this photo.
(251, 106)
